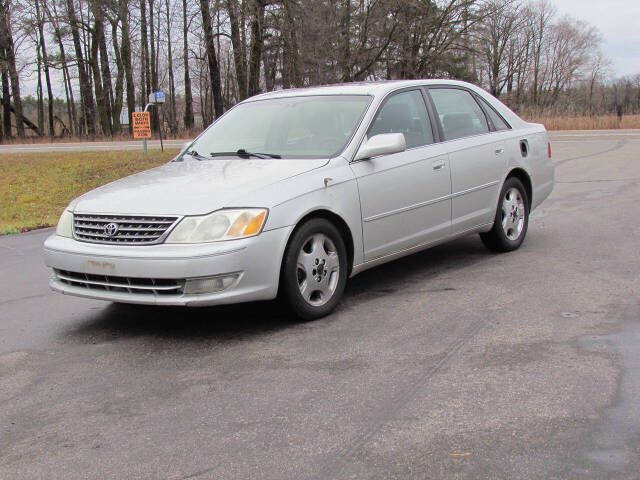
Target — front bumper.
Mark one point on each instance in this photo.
(256, 260)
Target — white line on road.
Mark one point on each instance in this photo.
(594, 134)
(88, 146)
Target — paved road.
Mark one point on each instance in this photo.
(454, 363)
(88, 146)
(155, 144)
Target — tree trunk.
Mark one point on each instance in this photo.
(144, 61)
(6, 103)
(214, 69)
(10, 59)
(155, 123)
(40, 101)
(257, 42)
(292, 62)
(118, 95)
(71, 104)
(45, 65)
(68, 101)
(107, 86)
(270, 65)
(85, 85)
(239, 57)
(346, 42)
(172, 87)
(188, 97)
(25, 121)
(98, 29)
(123, 14)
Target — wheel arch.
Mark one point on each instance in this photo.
(339, 223)
(524, 177)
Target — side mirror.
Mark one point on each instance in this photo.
(383, 144)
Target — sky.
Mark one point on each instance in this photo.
(619, 23)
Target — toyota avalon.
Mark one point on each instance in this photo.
(290, 193)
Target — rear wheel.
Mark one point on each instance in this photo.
(512, 218)
(314, 270)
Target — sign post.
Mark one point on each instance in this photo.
(159, 100)
(142, 120)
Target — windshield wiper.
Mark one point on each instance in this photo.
(196, 155)
(243, 153)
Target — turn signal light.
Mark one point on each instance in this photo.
(254, 225)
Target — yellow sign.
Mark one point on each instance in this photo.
(141, 124)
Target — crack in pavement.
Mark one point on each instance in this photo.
(617, 146)
(400, 399)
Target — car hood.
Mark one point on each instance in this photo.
(192, 187)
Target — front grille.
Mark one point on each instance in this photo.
(121, 229)
(157, 286)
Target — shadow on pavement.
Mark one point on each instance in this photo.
(243, 321)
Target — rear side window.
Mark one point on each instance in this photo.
(459, 113)
(404, 113)
(496, 119)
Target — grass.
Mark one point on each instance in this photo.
(35, 187)
(585, 122)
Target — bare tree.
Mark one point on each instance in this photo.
(188, 98)
(116, 52)
(501, 20)
(214, 69)
(9, 59)
(88, 105)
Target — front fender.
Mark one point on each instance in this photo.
(339, 196)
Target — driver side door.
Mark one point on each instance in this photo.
(404, 197)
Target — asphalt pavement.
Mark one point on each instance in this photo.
(455, 363)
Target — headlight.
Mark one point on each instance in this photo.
(65, 224)
(220, 225)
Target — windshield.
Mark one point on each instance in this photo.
(301, 127)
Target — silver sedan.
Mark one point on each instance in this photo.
(290, 193)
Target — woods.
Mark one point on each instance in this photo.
(79, 67)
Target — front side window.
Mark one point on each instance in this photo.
(316, 126)
(458, 112)
(404, 113)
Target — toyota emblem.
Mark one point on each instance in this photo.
(111, 229)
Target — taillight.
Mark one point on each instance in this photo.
(549, 148)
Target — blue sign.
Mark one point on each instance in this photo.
(159, 94)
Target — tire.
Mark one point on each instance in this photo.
(314, 270)
(511, 220)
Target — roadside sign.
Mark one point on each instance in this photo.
(141, 124)
(159, 96)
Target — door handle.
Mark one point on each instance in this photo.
(499, 150)
(439, 165)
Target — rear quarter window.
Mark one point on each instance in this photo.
(498, 122)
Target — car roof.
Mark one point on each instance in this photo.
(375, 88)
(379, 89)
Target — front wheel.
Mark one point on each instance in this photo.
(512, 218)
(314, 269)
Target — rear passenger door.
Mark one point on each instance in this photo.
(404, 197)
(477, 158)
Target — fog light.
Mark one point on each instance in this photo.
(209, 284)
